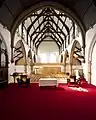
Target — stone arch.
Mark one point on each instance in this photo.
(76, 59)
(73, 47)
(20, 55)
(34, 58)
(92, 44)
(66, 61)
(61, 58)
(19, 47)
(30, 54)
(45, 4)
(29, 57)
(29, 62)
(58, 6)
(65, 56)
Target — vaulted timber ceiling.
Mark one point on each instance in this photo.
(10, 10)
(48, 24)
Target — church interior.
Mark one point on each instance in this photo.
(47, 59)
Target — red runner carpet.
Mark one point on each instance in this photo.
(60, 103)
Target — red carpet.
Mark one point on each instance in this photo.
(34, 103)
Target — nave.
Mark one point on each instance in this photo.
(47, 59)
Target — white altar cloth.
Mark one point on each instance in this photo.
(48, 82)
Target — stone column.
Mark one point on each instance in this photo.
(25, 69)
(89, 71)
(70, 68)
(31, 65)
(64, 68)
(0, 52)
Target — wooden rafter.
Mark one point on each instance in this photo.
(51, 37)
(35, 20)
(44, 38)
(66, 27)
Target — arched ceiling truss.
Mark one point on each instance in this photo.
(50, 24)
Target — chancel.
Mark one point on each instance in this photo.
(47, 59)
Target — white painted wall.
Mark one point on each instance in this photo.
(47, 48)
(93, 68)
(19, 68)
(89, 37)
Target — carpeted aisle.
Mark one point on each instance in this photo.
(33, 103)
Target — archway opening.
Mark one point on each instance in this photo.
(20, 57)
(3, 63)
(66, 62)
(29, 62)
(48, 31)
(77, 59)
(49, 25)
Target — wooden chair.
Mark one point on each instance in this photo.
(21, 82)
(72, 82)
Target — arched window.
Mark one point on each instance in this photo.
(3, 54)
(3, 60)
(3, 63)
